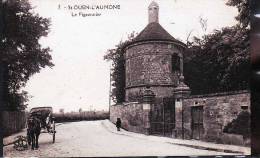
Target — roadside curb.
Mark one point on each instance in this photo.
(202, 147)
(208, 148)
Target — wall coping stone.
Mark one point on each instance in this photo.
(151, 85)
(126, 103)
(219, 94)
(129, 103)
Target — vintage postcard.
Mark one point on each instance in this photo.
(120, 78)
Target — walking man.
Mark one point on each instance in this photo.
(118, 124)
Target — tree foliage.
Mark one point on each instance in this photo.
(244, 11)
(240, 125)
(220, 60)
(21, 53)
(116, 55)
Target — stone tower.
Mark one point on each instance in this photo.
(153, 12)
(154, 59)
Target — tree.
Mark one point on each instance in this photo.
(116, 55)
(220, 60)
(244, 11)
(21, 53)
(240, 125)
(61, 111)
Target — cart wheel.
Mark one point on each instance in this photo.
(53, 131)
(20, 143)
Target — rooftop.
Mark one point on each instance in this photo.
(154, 31)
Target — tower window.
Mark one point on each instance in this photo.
(244, 107)
(175, 63)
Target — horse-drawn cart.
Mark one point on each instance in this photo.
(40, 120)
(45, 115)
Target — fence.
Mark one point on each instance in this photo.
(12, 122)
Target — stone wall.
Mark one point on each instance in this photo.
(218, 111)
(134, 116)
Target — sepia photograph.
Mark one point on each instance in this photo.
(121, 78)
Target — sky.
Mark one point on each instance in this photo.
(80, 77)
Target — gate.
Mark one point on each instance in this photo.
(197, 121)
(163, 117)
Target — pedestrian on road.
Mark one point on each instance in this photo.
(118, 124)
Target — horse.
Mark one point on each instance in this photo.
(33, 131)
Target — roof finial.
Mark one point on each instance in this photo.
(153, 11)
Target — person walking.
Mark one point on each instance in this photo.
(118, 124)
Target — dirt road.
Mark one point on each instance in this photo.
(100, 138)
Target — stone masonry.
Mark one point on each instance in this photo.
(158, 101)
(134, 117)
(149, 63)
(218, 110)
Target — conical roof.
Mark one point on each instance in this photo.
(154, 32)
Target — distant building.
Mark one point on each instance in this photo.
(157, 101)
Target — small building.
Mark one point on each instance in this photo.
(158, 102)
(154, 58)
